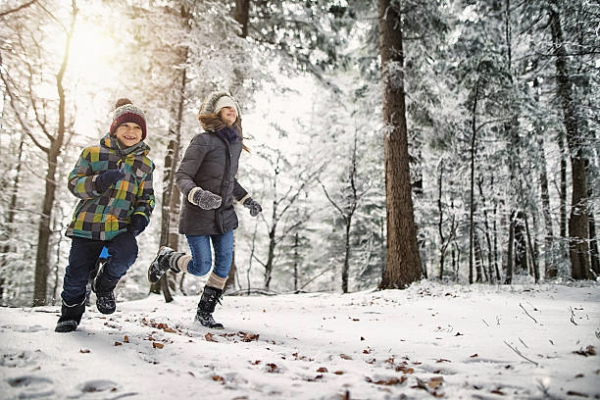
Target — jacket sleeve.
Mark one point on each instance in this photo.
(238, 191)
(82, 180)
(192, 159)
(145, 201)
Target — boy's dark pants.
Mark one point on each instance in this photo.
(84, 253)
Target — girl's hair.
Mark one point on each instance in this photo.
(213, 122)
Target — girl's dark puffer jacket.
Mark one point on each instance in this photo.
(211, 163)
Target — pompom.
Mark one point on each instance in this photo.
(122, 102)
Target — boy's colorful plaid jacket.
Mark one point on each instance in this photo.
(102, 216)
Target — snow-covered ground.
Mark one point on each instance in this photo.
(429, 341)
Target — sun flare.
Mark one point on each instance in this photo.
(92, 53)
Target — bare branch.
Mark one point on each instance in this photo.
(20, 118)
(14, 10)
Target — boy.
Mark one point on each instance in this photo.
(114, 182)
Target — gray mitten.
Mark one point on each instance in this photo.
(204, 199)
(253, 206)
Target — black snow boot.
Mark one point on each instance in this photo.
(70, 317)
(105, 295)
(208, 302)
(165, 259)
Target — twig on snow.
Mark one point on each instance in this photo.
(521, 305)
(520, 340)
(521, 354)
(572, 316)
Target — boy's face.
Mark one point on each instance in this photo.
(129, 134)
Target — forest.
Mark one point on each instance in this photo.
(390, 140)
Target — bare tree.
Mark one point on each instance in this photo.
(347, 209)
(281, 205)
(53, 127)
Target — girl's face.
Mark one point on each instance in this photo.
(129, 134)
(228, 115)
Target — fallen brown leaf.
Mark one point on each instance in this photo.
(588, 351)
(271, 368)
(210, 338)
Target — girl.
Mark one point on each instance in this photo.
(114, 182)
(206, 178)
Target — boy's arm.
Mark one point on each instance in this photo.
(82, 180)
(144, 203)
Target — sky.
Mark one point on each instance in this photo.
(522, 341)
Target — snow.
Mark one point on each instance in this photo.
(428, 341)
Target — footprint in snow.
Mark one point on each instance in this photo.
(24, 328)
(102, 385)
(32, 387)
(99, 385)
(22, 359)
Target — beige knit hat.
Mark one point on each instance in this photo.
(215, 101)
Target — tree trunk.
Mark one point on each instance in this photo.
(488, 239)
(478, 255)
(563, 187)
(170, 193)
(520, 244)
(241, 15)
(443, 245)
(403, 264)
(534, 260)
(230, 284)
(296, 261)
(271, 252)
(346, 267)
(594, 255)
(42, 268)
(511, 253)
(551, 269)
(472, 153)
(578, 219)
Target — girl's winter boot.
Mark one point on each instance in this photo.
(165, 259)
(206, 307)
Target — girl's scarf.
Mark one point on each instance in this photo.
(229, 134)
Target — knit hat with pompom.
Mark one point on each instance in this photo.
(124, 112)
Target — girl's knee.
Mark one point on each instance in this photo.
(199, 266)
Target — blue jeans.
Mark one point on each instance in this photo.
(201, 254)
(84, 253)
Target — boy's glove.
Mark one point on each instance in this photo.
(137, 224)
(204, 199)
(253, 206)
(106, 179)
